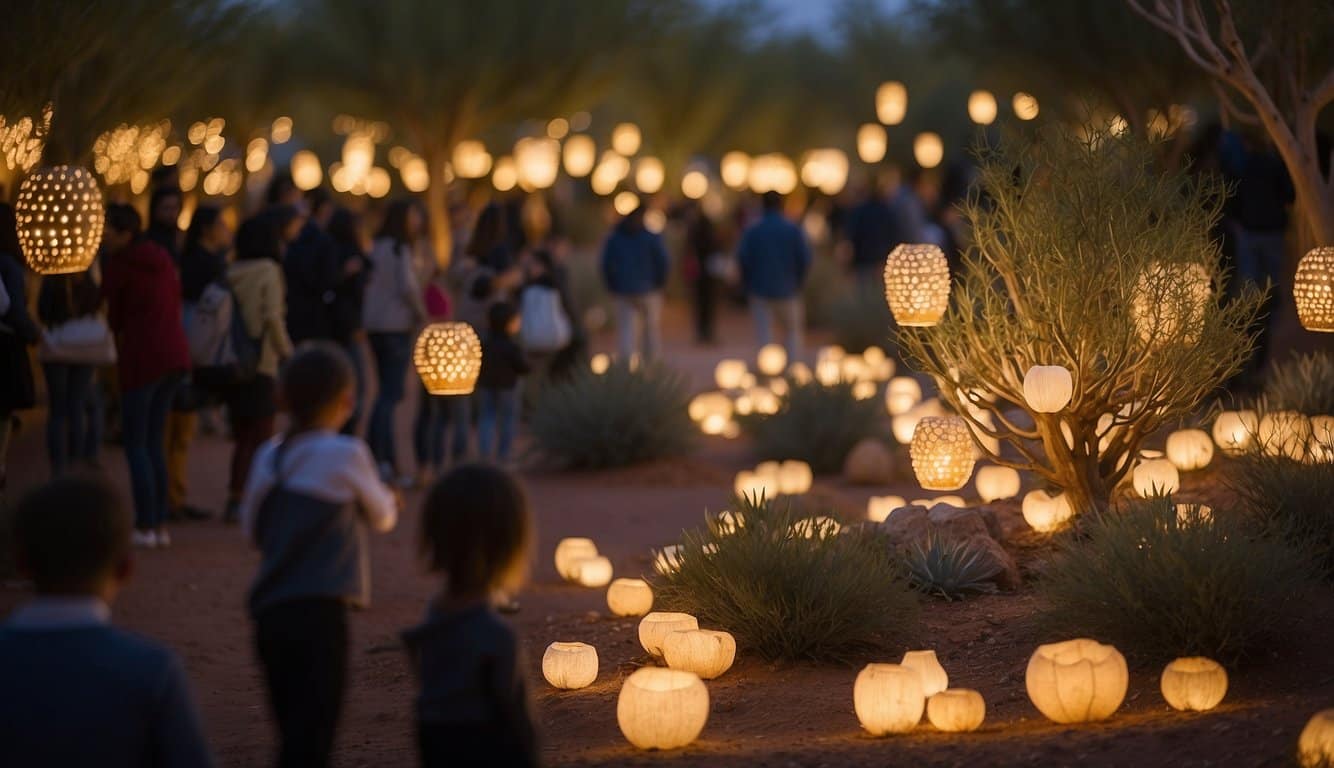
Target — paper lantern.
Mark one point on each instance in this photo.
(579, 154)
(649, 175)
(668, 559)
(982, 107)
(771, 360)
(995, 483)
(917, 284)
(625, 138)
(879, 508)
(470, 160)
(1156, 477)
(538, 161)
(927, 149)
(942, 453)
(1045, 513)
(592, 571)
(905, 424)
(888, 698)
(734, 169)
(504, 174)
(1313, 289)
(1284, 433)
(1190, 449)
(694, 184)
(729, 373)
(756, 484)
(662, 708)
(571, 550)
(1235, 430)
(1194, 683)
(708, 404)
(570, 665)
(448, 357)
(629, 597)
(1076, 681)
(60, 218)
(825, 169)
(891, 102)
(901, 395)
(705, 652)
(306, 171)
(863, 390)
(1169, 302)
(773, 172)
(1048, 388)
(654, 628)
(956, 710)
(794, 478)
(1025, 106)
(1315, 747)
(934, 677)
(872, 141)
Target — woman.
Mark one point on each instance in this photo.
(69, 372)
(393, 310)
(17, 333)
(349, 298)
(434, 411)
(204, 257)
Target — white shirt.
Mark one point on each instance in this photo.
(59, 612)
(327, 466)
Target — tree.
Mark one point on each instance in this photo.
(1086, 257)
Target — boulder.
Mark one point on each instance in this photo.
(870, 462)
(979, 528)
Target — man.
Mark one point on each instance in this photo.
(634, 268)
(312, 269)
(774, 259)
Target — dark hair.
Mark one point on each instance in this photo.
(201, 221)
(488, 234)
(165, 176)
(123, 218)
(313, 379)
(258, 237)
(395, 224)
(345, 228)
(71, 532)
(9, 235)
(160, 194)
(499, 315)
(475, 527)
(317, 198)
(279, 187)
(771, 200)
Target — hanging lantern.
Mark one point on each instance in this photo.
(773, 172)
(1313, 289)
(794, 478)
(1194, 683)
(579, 154)
(537, 161)
(902, 394)
(448, 357)
(734, 168)
(942, 453)
(695, 184)
(654, 628)
(891, 102)
(505, 174)
(625, 139)
(629, 597)
(1025, 106)
(1315, 747)
(729, 373)
(872, 141)
(570, 665)
(927, 149)
(1048, 388)
(879, 508)
(662, 708)
(956, 710)
(826, 170)
(982, 107)
(1045, 513)
(995, 483)
(705, 652)
(1235, 430)
(571, 550)
(1169, 302)
(888, 698)
(306, 171)
(60, 217)
(649, 175)
(470, 160)
(592, 571)
(1284, 433)
(934, 677)
(1190, 449)
(1077, 681)
(917, 284)
(1156, 477)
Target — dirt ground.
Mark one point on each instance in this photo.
(191, 597)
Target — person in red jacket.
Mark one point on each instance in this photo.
(143, 295)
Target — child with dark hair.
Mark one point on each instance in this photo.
(472, 708)
(503, 365)
(311, 496)
(76, 690)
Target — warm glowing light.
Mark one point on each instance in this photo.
(625, 202)
(694, 184)
(928, 149)
(625, 139)
(649, 175)
(942, 453)
(580, 154)
(891, 102)
(505, 174)
(537, 161)
(558, 127)
(60, 216)
(917, 284)
(1025, 106)
(470, 160)
(872, 142)
(772, 173)
(734, 168)
(1313, 290)
(982, 107)
(448, 357)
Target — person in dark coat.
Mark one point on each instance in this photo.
(503, 365)
(634, 269)
(204, 257)
(311, 266)
(17, 333)
(349, 295)
(164, 214)
(701, 269)
(774, 259)
(69, 382)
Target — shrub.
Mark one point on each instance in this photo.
(860, 318)
(1304, 383)
(1158, 587)
(785, 594)
(950, 569)
(620, 417)
(815, 423)
(1290, 500)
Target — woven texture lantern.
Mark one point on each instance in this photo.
(1190, 449)
(888, 698)
(654, 628)
(942, 453)
(956, 710)
(1048, 388)
(60, 215)
(629, 597)
(1194, 683)
(448, 357)
(917, 284)
(706, 652)
(662, 708)
(1313, 290)
(570, 665)
(1077, 681)
(1315, 747)
(934, 677)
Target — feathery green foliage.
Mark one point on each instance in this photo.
(1304, 383)
(949, 569)
(815, 423)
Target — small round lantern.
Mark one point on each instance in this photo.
(710, 405)
(570, 665)
(1045, 513)
(729, 373)
(1156, 477)
(794, 478)
(771, 360)
(662, 708)
(629, 597)
(863, 390)
(879, 508)
(1076, 681)
(1190, 449)
(1048, 388)
(592, 571)
(982, 107)
(1315, 747)
(928, 149)
(995, 483)
(60, 217)
(917, 284)
(888, 698)
(1194, 683)
(448, 357)
(1284, 433)
(872, 141)
(956, 710)
(1313, 289)
(654, 628)
(942, 453)
(934, 677)
(571, 550)
(579, 155)
(705, 652)
(1235, 430)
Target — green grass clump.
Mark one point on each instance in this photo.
(815, 423)
(788, 588)
(1303, 383)
(950, 569)
(1289, 499)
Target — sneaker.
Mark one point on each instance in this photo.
(144, 539)
(163, 538)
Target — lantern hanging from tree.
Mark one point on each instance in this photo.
(1190, 449)
(570, 665)
(60, 215)
(1077, 681)
(928, 150)
(1048, 388)
(662, 708)
(629, 597)
(1194, 683)
(448, 357)
(891, 102)
(942, 453)
(888, 698)
(872, 141)
(956, 710)
(470, 160)
(982, 107)
(917, 284)
(995, 483)
(1313, 289)
(705, 652)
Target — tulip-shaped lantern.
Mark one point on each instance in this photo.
(1077, 681)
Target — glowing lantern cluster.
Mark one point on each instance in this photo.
(571, 550)
(982, 107)
(872, 142)
(826, 170)
(448, 357)
(654, 628)
(570, 665)
(662, 708)
(917, 284)
(891, 102)
(888, 698)
(629, 597)
(1077, 681)
(705, 652)
(470, 160)
(772, 173)
(942, 453)
(995, 483)
(22, 141)
(956, 710)
(125, 154)
(1045, 513)
(928, 149)
(579, 155)
(1194, 683)
(60, 215)
(1048, 388)
(1313, 290)
(1190, 449)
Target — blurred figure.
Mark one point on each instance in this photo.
(351, 246)
(76, 339)
(634, 269)
(433, 411)
(204, 257)
(551, 338)
(1263, 193)
(311, 267)
(164, 215)
(17, 333)
(503, 366)
(873, 229)
(774, 258)
(703, 267)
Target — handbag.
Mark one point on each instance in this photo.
(81, 341)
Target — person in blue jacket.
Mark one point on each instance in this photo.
(634, 268)
(774, 259)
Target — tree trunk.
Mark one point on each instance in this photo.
(437, 212)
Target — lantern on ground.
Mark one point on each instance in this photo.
(1025, 106)
(662, 708)
(1048, 388)
(934, 677)
(902, 394)
(448, 357)
(888, 698)
(654, 628)
(1076, 681)
(1313, 289)
(794, 478)
(625, 139)
(956, 710)
(1194, 683)
(705, 652)
(729, 373)
(579, 155)
(927, 149)
(771, 360)
(1284, 433)
(571, 550)
(1235, 430)
(891, 102)
(1315, 747)
(629, 597)
(1190, 449)
(872, 141)
(707, 404)
(879, 508)
(1045, 513)
(60, 217)
(942, 453)
(570, 665)
(917, 284)
(592, 571)
(995, 483)
(1156, 477)
(982, 107)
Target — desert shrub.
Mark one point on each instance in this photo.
(1304, 383)
(1289, 499)
(620, 417)
(823, 289)
(860, 318)
(788, 588)
(815, 423)
(951, 569)
(1157, 586)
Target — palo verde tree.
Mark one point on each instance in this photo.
(1087, 257)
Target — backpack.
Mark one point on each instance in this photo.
(217, 334)
(544, 326)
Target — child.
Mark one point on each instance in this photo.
(74, 690)
(498, 383)
(472, 708)
(311, 495)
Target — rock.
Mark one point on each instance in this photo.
(955, 523)
(870, 462)
(1005, 520)
(1008, 576)
(906, 525)
(909, 526)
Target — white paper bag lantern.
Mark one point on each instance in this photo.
(1190, 449)
(771, 360)
(1076, 681)
(729, 373)
(902, 395)
(888, 698)
(654, 628)
(1315, 747)
(794, 478)
(1048, 388)
(1234, 431)
(956, 710)
(934, 677)
(60, 217)
(1156, 477)
(942, 453)
(629, 597)
(1045, 513)
(662, 708)
(592, 571)
(917, 284)
(1313, 290)
(879, 508)
(571, 550)
(1284, 433)
(570, 665)
(448, 358)
(705, 652)
(995, 483)
(891, 102)
(1194, 683)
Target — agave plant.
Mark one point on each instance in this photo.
(951, 569)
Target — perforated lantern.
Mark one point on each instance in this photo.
(705, 652)
(60, 216)
(956, 710)
(1190, 449)
(995, 483)
(1284, 433)
(888, 698)
(1194, 683)
(1156, 477)
(942, 453)
(982, 107)
(592, 571)
(794, 478)
(1315, 747)
(934, 677)
(1045, 513)
(872, 141)
(901, 395)
(654, 628)
(891, 102)
(1235, 430)
(571, 550)
(917, 284)
(448, 357)
(771, 360)
(629, 597)
(1077, 681)
(1313, 289)
(662, 708)
(1048, 388)
(570, 665)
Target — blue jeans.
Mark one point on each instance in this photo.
(393, 352)
(67, 386)
(144, 423)
(497, 414)
(354, 356)
(436, 414)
